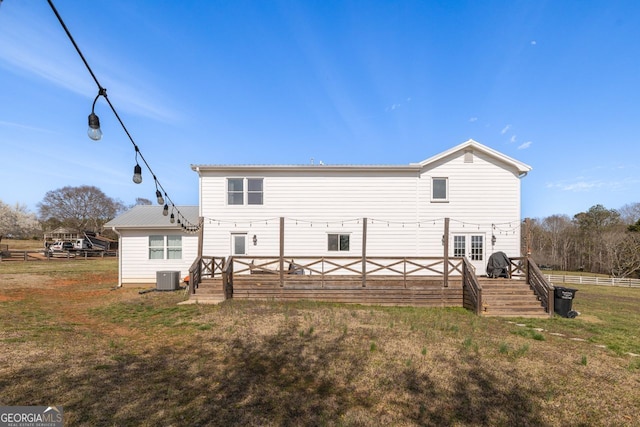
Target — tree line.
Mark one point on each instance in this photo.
(78, 209)
(599, 240)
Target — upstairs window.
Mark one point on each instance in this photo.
(439, 189)
(245, 191)
(235, 191)
(254, 191)
(338, 242)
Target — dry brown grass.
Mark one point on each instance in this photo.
(115, 357)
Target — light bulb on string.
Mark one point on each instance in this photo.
(137, 170)
(137, 174)
(94, 131)
(159, 196)
(165, 210)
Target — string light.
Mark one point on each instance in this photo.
(95, 133)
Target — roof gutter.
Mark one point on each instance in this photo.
(115, 230)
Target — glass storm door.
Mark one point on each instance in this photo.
(472, 247)
(239, 244)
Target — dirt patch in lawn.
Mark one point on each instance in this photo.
(116, 357)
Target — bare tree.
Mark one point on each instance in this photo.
(79, 208)
(623, 252)
(630, 213)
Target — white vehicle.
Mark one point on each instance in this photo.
(80, 244)
(60, 246)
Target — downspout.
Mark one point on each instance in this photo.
(119, 257)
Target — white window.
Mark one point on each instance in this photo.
(165, 247)
(338, 242)
(174, 247)
(254, 191)
(439, 189)
(156, 247)
(235, 191)
(245, 191)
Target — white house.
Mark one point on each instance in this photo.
(149, 243)
(324, 210)
(320, 210)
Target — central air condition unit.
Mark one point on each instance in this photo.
(167, 280)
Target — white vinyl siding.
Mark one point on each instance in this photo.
(402, 219)
(136, 265)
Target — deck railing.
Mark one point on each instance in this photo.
(527, 268)
(227, 278)
(472, 290)
(350, 268)
(204, 267)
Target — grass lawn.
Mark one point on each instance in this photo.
(116, 357)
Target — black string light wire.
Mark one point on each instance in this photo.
(95, 133)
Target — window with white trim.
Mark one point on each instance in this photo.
(439, 189)
(165, 247)
(338, 242)
(245, 191)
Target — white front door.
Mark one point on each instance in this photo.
(238, 244)
(471, 246)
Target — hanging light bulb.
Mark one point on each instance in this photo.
(94, 131)
(172, 219)
(159, 196)
(165, 211)
(137, 174)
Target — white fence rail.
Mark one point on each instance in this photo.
(593, 280)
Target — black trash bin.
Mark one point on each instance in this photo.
(563, 300)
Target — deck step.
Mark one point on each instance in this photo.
(509, 298)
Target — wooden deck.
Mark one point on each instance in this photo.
(388, 281)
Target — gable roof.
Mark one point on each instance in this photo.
(522, 168)
(150, 216)
(470, 144)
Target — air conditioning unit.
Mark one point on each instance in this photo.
(167, 280)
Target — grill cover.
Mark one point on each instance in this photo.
(498, 265)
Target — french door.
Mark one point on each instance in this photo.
(471, 246)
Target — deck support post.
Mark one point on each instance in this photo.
(364, 252)
(281, 251)
(201, 238)
(445, 248)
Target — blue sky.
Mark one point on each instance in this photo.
(554, 84)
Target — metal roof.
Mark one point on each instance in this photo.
(150, 216)
(522, 168)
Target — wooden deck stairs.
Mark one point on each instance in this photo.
(209, 292)
(509, 298)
